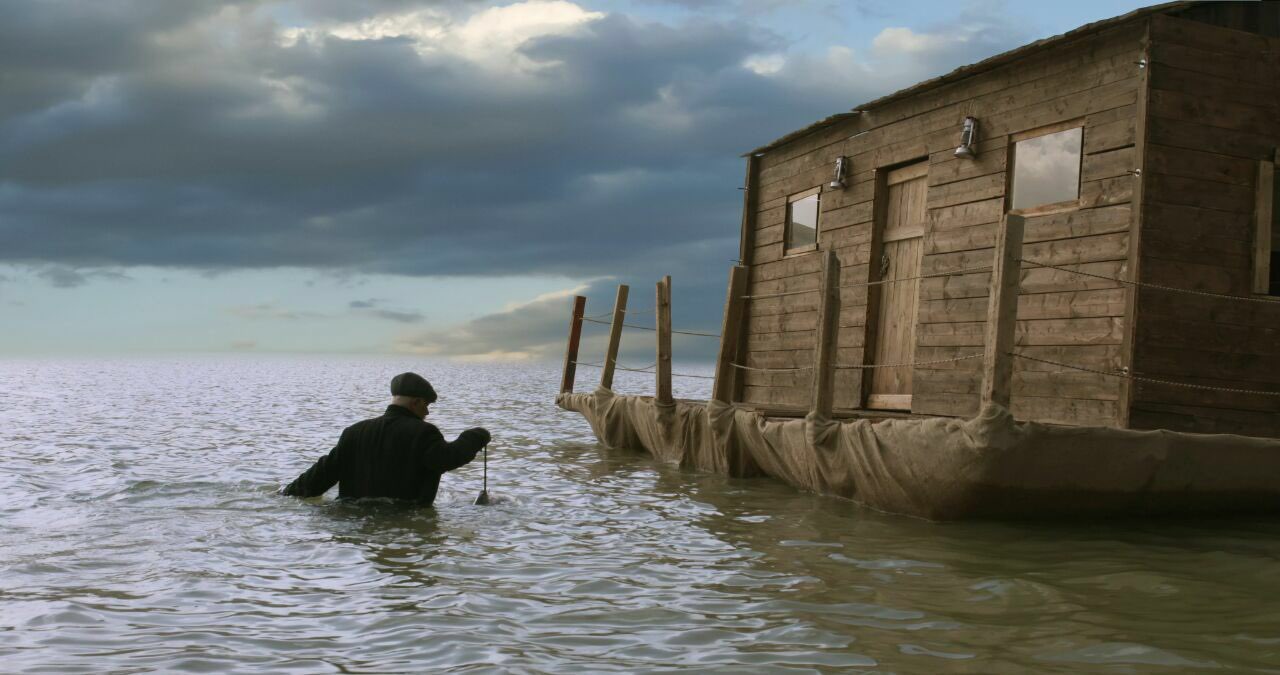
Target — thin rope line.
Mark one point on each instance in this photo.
(644, 370)
(631, 325)
(1150, 285)
(967, 270)
(770, 370)
(912, 364)
(778, 295)
(864, 366)
(1146, 379)
(610, 323)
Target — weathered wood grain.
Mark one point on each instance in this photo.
(1189, 134)
(1198, 164)
(1065, 225)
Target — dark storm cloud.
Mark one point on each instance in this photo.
(195, 138)
(191, 134)
(63, 276)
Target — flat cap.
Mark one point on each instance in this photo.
(412, 384)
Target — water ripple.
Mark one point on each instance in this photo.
(140, 530)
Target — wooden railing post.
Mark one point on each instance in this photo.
(1002, 313)
(662, 307)
(828, 332)
(615, 336)
(571, 352)
(722, 390)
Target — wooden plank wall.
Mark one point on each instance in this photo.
(1063, 317)
(1214, 113)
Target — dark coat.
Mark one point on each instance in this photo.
(396, 455)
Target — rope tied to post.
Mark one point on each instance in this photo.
(650, 328)
(647, 369)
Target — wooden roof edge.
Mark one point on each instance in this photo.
(982, 66)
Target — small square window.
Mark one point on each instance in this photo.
(1046, 169)
(802, 221)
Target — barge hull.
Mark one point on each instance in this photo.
(942, 468)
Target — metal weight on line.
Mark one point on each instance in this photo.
(483, 499)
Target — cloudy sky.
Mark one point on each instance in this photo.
(435, 177)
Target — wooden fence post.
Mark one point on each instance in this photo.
(722, 390)
(615, 336)
(1002, 313)
(662, 308)
(571, 352)
(828, 331)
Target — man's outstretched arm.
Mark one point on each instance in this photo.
(442, 456)
(319, 478)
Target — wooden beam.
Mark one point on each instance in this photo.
(663, 310)
(746, 253)
(747, 236)
(1137, 217)
(1002, 313)
(828, 328)
(1263, 213)
(615, 336)
(723, 388)
(880, 214)
(571, 352)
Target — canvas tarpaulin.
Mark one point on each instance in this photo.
(946, 468)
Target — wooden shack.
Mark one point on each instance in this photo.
(1140, 152)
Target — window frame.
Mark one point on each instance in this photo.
(1011, 162)
(1266, 225)
(817, 223)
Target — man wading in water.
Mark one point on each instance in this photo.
(398, 455)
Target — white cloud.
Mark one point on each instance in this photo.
(897, 57)
(491, 37)
(765, 64)
(521, 331)
(904, 40)
(546, 297)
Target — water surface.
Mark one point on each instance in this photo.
(140, 531)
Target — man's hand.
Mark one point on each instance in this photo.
(480, 433)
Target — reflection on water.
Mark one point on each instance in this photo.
(139, 529)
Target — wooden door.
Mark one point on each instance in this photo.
(895, 319)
